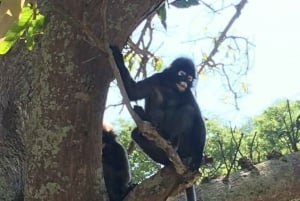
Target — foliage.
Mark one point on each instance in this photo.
(184, 3)
(24, 22)
(141, 165)
(162, 11)
(226, 145)
(278, 126)
(19, 18)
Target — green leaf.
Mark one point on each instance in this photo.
(30, 38)
(128, 57)
(10, 11)
(204, 56)
(157, 63)
(36, 27)
(16, 30)
(184, 3)
(162, 14)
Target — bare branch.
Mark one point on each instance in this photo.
(222, 37)
(251, 148)
(232, 162)
(235, 95)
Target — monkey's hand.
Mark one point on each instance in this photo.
(195, 165)
(140, 111)
(116, 52)
(191, 163)
(115, 49)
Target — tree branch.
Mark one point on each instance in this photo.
(165, 183)
(222, 37)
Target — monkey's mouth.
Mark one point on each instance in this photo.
(181, 86)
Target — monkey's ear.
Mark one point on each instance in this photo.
(107, 127)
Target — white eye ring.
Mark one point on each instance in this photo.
(181, 73)
(190, 78)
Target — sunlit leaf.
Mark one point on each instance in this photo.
(202, 75)
(138, 59)
(10, 11)
(157, 63)
(128, 57)
(130, 64)
(16, 30)
(244, 87)
(204, 56)
(35, 28)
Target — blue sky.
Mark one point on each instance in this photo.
(273, 27)
(276, 71)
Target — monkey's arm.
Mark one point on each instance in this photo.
(135, 90)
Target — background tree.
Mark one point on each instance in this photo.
(226, 148)
(278, 126)
(142, 166)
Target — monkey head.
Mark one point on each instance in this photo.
(182, 72)
(108, 135)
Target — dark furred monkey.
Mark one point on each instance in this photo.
(116, 168)
(171, 107)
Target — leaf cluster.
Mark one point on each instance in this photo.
(19, 20)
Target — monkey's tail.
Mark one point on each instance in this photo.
(190, 193)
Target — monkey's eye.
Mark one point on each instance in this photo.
(181, 73)
(190, 78)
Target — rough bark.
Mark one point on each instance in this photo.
(52, 101)
(166, 183)
(13, 93)
(271, 180)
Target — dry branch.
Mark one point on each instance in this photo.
(222, 37)
(271, 180)
(165, 183)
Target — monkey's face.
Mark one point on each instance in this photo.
(182, 73)
(184, 81)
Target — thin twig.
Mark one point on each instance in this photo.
(222, 37)
(231, 89)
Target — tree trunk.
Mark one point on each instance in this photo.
(52, 101)
(271, 180)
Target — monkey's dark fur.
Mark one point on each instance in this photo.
(116, 168)
(171, 107)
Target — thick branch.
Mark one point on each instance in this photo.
(271, 180)
(163, 184)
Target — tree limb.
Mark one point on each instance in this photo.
(222, 37)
